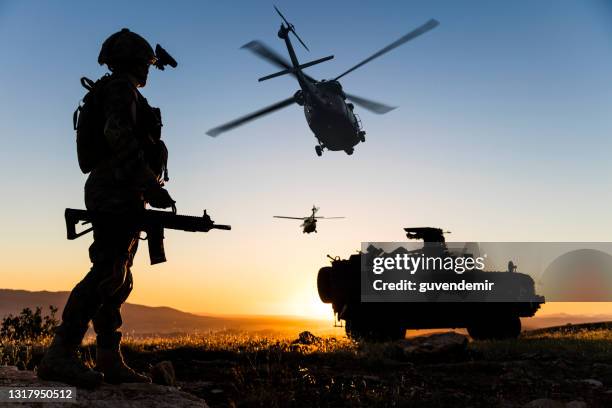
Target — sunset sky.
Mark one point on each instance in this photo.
(503, 133)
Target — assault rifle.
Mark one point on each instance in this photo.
(152, 222)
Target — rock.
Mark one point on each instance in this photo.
(133, 395)
(593, 383)
(439, 343)
(214, 363)
(163, 373)
(544, 403)
(506, 404)
(306, 338)
(576, 404)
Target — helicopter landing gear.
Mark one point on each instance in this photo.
(349, 151)
(362, 136)
(319, 150)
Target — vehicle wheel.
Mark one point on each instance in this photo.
(349, 151)
(477, 331)
(360, 330)
(511, 328)
(318, 150)
(500, 328)
(324, 284)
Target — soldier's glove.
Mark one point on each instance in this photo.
(159, 198)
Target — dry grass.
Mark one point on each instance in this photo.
(237, 342)
(243, 369)
(576, 342)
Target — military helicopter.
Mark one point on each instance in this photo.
(310, 223)
(329, 115)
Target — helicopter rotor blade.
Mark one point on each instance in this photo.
(370, 105)
(291, 28)
(263, 51)
(299, 39)
(260, 49)
(411, 35)
(281, 15)
(252, 116)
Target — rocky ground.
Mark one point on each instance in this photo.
(107, 396)
(442, 370)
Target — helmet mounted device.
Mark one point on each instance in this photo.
(162, 58)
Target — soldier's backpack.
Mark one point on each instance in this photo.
(88, 121)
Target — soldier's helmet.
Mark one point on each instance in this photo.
(126, 48)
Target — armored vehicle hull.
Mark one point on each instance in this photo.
(340, 286)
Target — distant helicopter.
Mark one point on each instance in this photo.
(310, 223)
(329, 116)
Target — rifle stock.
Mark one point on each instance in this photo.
(73, 217)
(152, 222)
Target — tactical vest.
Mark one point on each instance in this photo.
(89, 121)
(148, 132)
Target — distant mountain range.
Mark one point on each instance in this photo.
(143, 320)
(140, 319)
(561, 319)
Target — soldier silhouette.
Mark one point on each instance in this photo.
(118, 144)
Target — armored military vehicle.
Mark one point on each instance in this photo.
(340, 285)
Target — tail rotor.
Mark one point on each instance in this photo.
(291, 28)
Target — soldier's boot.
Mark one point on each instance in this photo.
(109, 361)
(62, 363)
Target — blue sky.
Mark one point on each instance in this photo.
(502, 132)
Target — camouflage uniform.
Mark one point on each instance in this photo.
(128, 171)
(116, 186)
